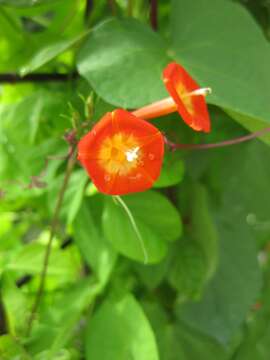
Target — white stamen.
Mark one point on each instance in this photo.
(132, 154)
(201, 91)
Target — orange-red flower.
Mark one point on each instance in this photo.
(122, 153)
(186, 97)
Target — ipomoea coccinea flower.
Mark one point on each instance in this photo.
(122, 153)
(186, 97)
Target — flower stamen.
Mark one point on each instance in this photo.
(199, 92)
(132, 154)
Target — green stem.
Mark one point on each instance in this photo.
(60, 198)
(130, 8)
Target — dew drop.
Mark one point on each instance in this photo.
(107, 178)
(151, 156)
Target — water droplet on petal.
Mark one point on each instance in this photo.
(151, 156)
(107, 178)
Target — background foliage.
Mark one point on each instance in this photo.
(204, 293)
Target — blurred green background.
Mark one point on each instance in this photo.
(205, 292)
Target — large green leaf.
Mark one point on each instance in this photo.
(236, 285)
(29, 259)
(256, 335)
(240, 192)
(188, 270)
(35, 119)
(119, 330)
(195, 258)
(203, 230)
(179, 342)
(223, 47)
(58, 323)
(234, 288)
(49, 52)
(123, 62)
(172, 170)
(89, 237)
(157, 221)
(242, 186)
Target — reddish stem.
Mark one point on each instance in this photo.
(154, 14)
(219, 144)
(112, 6)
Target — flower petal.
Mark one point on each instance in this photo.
(122, 153)
(180, 85)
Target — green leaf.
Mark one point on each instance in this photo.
(187, 272)
(250, 123)
(26, 3)
(30, 120)
(239, 192)
(58, 323)
(73, 196)
(29, 259)
(198, 346)
(256, 347)
(201, 240)
(123, 62)
(208, 43)
(256, 335)
(49, 52)
(157, 221)
(234, 288)
(11, 349)
(172, 170)
(89, 237)
(246, 168)
(203, 230)
(152, 275)
(15, 305)
(177, 341)
(76, 195)
(120, 331)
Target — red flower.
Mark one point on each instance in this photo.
(186, 97)
(122, 154)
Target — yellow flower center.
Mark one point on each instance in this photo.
(119, 154)
(185, 97)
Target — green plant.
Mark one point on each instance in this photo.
(180, 271)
